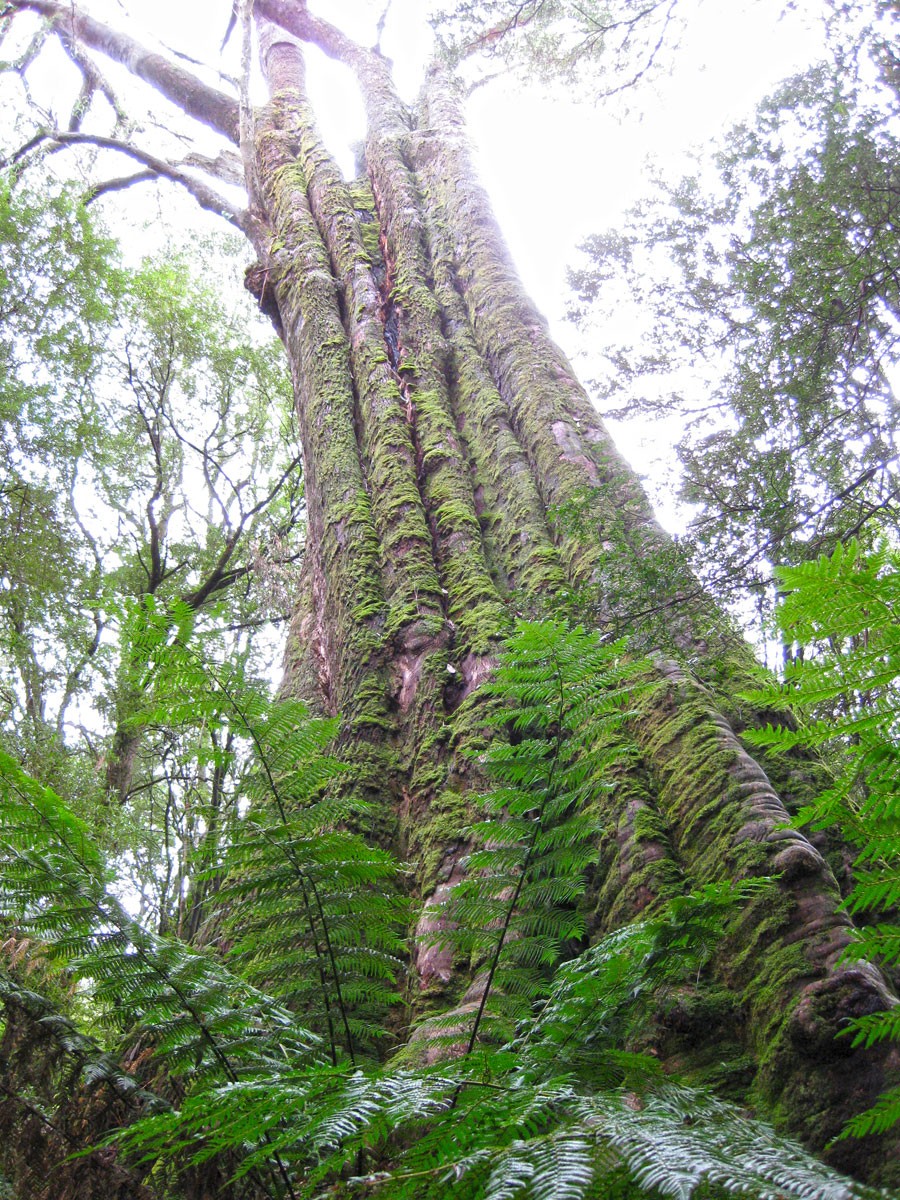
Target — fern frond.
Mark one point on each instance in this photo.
(322, 927)
(97, 1066)
(844, 611)
(563, 694)
(882, 1116)
(678, 1139)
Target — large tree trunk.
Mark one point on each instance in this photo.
(457, 476)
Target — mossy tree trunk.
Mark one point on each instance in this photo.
(458, 476)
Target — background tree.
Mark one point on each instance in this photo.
(769, 328)
(602, 47)
(456, 474)
(135, 409)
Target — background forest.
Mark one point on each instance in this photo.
(315, 887)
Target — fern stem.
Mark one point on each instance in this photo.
(520, 882)
(302, 875)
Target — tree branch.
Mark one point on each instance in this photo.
(379, 28)
(226, 166)
(244, 10)
(190, 94)
(94, 82)
(232, 21)
(294, 18)
(118, 184)
(205, 196)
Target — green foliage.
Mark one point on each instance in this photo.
(559, 1111)
(203, 1022)
(766, 302)
(609, 995)
(146, 448)
(201, 414)
(841, 613)
(629, 603)
(60, 283)
(310, 908)
(560, 697)
(553, 1105)
(56, 888)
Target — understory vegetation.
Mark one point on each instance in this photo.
(266, 1048)
(839, 615)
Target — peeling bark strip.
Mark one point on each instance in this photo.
(577, 468)
(343, 665)
(457, 475)
(344, 215)
(523, 555)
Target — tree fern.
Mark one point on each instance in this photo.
(186, 1006)
(487, 1132)
(843, 614)
(558, 697)
(96, 1065)
(312, 909)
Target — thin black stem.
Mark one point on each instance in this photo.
(520, 883)
(303, 876)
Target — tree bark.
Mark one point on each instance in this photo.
(457, 475)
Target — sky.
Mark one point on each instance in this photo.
(557, 166)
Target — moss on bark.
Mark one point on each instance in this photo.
(457, 474)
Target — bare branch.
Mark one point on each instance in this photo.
(94, 81)
(244, 9)
(522, 15)
(119, 184)
(31, 51)
(81, 105)
(194, 97)
(24, 149)
(220, 577)
(482, 82)
(198, 62)
(205, 196)
(232, 21)
(652, 54)
(379, 28)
